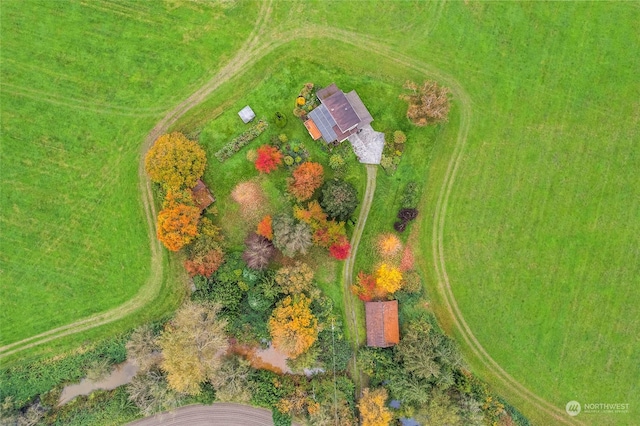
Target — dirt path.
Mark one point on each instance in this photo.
(347, 271)
(226, 414)
(258, 45)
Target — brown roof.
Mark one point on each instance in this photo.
(313, 129)
(202, 196)
(322, 94)
(383, 329)
(341, 110)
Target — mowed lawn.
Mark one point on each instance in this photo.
(82, 84)
(542, 235)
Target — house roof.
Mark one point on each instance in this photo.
(322, 94)
(324, 122)
(339, 115)
(383, 329)
(202, 196)
(359, 108)
(313, 129)
(247, 114)
(341, 111)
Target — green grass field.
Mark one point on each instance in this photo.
(82, 84)
(541, 233)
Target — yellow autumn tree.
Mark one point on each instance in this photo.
(388, 278)
(295, 279)
(293, 326)
(373, 408)
(175, 162)
(192, 344)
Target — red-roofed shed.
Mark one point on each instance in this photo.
(383, 329)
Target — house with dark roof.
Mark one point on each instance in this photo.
(383, 329)
(341, 116)
(202, 196)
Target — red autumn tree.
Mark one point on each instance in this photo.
(340, 249)
(365, 287)
(264, 228)
(205, 253)
(307, 177)
(205, 265)
(269, 159)
(177, 225)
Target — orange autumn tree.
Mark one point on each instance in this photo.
(293, 326)
(175, 162)
(307, 177)
(205, 253)
(373, 408)
(388, 278)
(177, 223)
(388, 245)
(265, 229)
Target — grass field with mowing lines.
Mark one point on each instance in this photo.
(82, 83)
(541, 236)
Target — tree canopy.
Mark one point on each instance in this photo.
(428, 104)
(373, 408)
(307, 177)
(191, 346)
(175, 162)
(339, 199)
(293, 326)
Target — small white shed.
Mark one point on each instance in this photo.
(247, 114)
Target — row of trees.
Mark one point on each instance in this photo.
(191, 356)
(176, 163)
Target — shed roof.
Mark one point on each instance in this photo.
(313, 129)
(247, 114)
(383, 329)
(202, 195)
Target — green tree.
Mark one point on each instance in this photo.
(232, 381)
(289, 236)
(428, 355)
(339, 199)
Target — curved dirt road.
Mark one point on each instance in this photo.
(222, 414)
(151, 288)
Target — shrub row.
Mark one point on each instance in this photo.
(239, 142)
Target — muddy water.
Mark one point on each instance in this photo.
(273, 357)
(121, 375)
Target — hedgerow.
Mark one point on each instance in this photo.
(239, 142)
